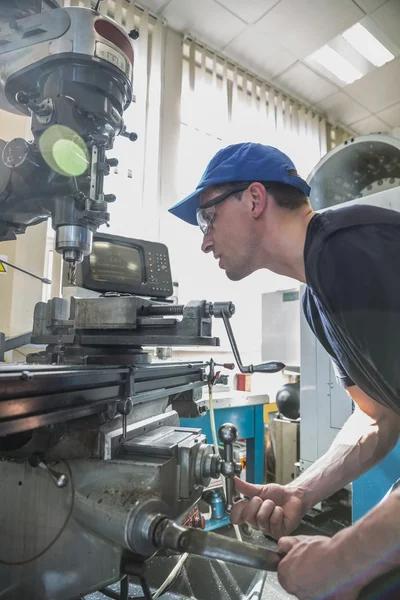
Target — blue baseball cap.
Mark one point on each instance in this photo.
(241, 162)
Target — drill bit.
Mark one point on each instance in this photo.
(72, 273)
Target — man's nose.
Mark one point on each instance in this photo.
(207, 244)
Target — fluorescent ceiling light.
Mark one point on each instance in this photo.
(336, 64)
(366, 44)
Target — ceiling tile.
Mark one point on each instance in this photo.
(272, 60)
(306, 25)
(249, 12)
(370, 5)
(155, 6)
(206, 20)
(370, 125)
(391, 115)
(379, 89)
(305, 83)
(342, 109)
(388, 18)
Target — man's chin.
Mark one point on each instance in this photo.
(234, 276)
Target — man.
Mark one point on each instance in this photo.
(254, 212)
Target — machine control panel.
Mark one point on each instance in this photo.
(125, 265)
(159, 270)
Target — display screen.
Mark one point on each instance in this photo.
(110, 261)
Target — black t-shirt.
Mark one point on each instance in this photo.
(352, 299)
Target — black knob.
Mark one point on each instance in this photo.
(228, 433)
(113, 162)
(131, 136)
(133, 34)
(110, 197)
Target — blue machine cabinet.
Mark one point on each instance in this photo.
(249, 421)
(371, 487)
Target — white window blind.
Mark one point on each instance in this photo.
(223, 104)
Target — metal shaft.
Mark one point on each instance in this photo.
(164, 310)
(42, 279)
(232, 342)
(230, 490)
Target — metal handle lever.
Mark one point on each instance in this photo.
(42, 279)
(132, 136)
(60, 479)
(124, 407)
(44, 109)
(229, 366)
(170, 535)
(267, 367)
(228, 435)
(212, 375)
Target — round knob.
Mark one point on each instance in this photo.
(22, 97)
(15, 152)
(227, 433)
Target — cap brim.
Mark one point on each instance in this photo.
(186, 208)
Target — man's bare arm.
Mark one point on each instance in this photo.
(366, 438)
(369, 434)
(371, 546)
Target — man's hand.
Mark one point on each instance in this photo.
(313, 569)
(273, 509)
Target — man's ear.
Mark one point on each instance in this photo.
(258, 198)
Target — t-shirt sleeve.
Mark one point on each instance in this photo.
(314, 320)
(342, 377)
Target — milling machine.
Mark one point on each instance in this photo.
(96, 473)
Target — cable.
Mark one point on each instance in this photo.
(172, 577)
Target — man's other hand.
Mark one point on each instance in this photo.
(313, 568)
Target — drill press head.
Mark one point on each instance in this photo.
(71, 71)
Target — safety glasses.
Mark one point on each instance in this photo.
(206, 214)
